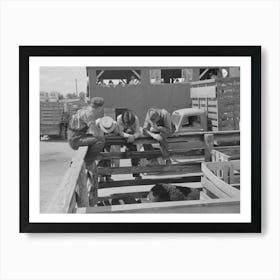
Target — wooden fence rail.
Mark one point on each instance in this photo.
(79, 187)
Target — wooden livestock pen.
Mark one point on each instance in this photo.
(221, 179)
(221, 99)
(82, 192)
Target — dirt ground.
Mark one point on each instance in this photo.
(54, 161)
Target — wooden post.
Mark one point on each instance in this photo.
(83, 198)
(209, 143)
(93, 194)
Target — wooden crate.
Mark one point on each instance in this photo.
(221, 179)
(221, 99)
(49, 129)
(50, 118)
(73, 106)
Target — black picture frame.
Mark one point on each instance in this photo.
(254, 52)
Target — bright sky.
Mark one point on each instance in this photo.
(62, 79)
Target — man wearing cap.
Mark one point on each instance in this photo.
(106, 126)
(82, 124)
(129, 128)
(158, 125)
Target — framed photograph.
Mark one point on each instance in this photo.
(140, 139)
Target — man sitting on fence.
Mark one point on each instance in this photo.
(129, 128)
(159, 126)
(82, 124)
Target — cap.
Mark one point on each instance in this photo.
(154, 115)
(97, 101)
(128, 117)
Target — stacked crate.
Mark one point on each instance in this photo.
(50, 118)
(72, 106)
(221, 99)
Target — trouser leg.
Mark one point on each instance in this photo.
(134, 161)
(148, 147)
(93, 151)
(105, 162)
(164, 148)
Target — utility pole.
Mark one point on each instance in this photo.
(76, 86)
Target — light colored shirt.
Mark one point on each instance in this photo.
(126, 131)
(164, 123)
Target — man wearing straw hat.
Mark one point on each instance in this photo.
(106, 126)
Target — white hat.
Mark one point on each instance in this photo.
(107, 124)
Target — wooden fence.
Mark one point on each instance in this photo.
(79, 189)
(221, 186)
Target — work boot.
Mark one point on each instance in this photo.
(137, 177)
(109, 179)
(168, 162)
(102, 180)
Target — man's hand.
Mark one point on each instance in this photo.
(154, 128)
(130, 139)
(157, 137)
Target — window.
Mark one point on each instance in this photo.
(171, 76)
(192, 122)
(122, 77)
(175, 119)
(209, 73)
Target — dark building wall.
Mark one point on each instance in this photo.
(141, 97)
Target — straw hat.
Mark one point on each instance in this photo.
(107, 124)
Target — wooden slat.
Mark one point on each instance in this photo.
(195, 177)
(209, 81)
(212, 102)
(207, 184)
(228, 150)
(61, 202)
(116, 140)
(180, 137)
(204, 196)
(82, 191)
(148, 154)
(189, 206)
(93, 194)
(213, 110)
(212, 115)
(220, 184)
(127, 190)
(218, 165)
(203, 92)
(189, 167)
(209, 143)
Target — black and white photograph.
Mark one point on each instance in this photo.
(143, 137)
(140, 139)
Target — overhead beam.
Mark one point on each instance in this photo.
(136, 74)
(100, 74)
(203, 73)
